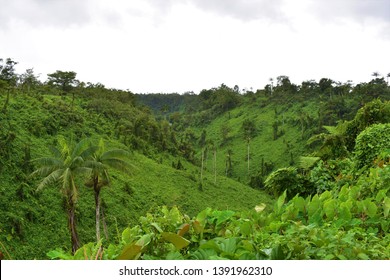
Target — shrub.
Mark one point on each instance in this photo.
(288, 179)
(370, 143)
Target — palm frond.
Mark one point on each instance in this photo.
(55, 151)
(117, 164)
(53, 178)
(65, 147)
(48, 165)
(83, 170)
(331, 129)
(101, 146)
(80, 147)
(76, 162)
(43, 171)
(117, 153)
(94, 164)
(48, 161)
(316, 138)
(308, 162)
(106, 177)
(89, 152)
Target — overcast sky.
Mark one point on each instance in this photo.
(188, 45)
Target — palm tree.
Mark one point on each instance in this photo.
(272, 84)
(61, 169)
(100, 162)
(375, 74)
(333, 142)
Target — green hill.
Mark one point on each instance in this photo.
(30, 219)
(218, 149)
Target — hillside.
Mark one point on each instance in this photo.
(281, 122)
(231, 166)
(32, 122)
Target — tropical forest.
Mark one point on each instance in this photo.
(289, 171)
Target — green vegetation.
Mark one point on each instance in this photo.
(286, 172)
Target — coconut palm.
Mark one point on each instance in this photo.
(100, 162)
(62, 169)
(375, 74)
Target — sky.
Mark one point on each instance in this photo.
(150, 46)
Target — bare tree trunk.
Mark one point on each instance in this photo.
(201, 169)
(215, 166)
(248, 159)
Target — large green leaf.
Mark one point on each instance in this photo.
(223, 216)
(130, 252)
(280, 202)
(299, 203)
(329, 208)
(370, 208)
(204, 254)
(277, 253)
(174, 255)
(58, 254)
(345, 211)
(314, 205)
(178, 241)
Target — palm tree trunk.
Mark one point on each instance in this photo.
(104, 223)
(97, 206)
(72, 225)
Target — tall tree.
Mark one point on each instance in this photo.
(7, 71)
(202, 144)
(8, 78)
(272, 84)
(64, 80)
(29, 79)
(100, 163)
(249, 131)
(212, 145)
(62, 168)
(228, 163)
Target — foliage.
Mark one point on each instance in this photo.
(288, 180)
(331, 174)
(62, 169)
(371, 143)
(333, 142)
(183, 129)
(333, 225)
(65, 80)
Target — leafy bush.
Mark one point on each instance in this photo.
(370, 143)
(288, 179)
(331, 174)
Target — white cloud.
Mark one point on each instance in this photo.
(147, 46)
(359, 10)
(243, 10)
(44, 12)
